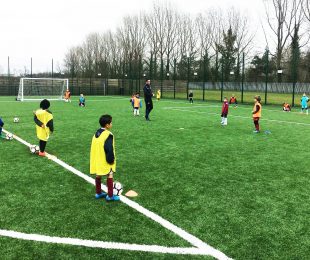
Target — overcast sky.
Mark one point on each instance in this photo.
(46, 29)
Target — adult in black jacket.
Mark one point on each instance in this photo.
(148, 94)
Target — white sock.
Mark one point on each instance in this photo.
(225, 121)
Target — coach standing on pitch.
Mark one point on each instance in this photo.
(148, 94)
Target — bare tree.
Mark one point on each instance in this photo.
(204, 31)
(72, 61)
(280, 17)
(300, 16)
(157, 34)
(172, 20)
(241, 28)
(244, 37)
(218, 27)
(162, 32)
(306, 9)
(131, 37)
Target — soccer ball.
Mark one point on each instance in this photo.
(9, 136)
(16, 120)
(34, 149)
(117, 188)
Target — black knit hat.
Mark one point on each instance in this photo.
(45, 104)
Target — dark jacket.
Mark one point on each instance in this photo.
(148, 94)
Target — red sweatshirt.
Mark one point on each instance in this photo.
(225, 108)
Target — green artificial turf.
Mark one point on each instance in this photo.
(245, 194)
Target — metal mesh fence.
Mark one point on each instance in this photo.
(270, 92)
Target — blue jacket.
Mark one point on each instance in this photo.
(304, 100)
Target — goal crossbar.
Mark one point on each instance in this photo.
(41, 88)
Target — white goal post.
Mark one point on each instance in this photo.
(42, 88)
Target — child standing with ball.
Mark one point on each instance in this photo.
(102, 158)
(44, 124)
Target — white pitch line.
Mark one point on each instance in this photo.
(209, 250)
(102, 244)
(220, 106)
(189, 107)
(244, 117)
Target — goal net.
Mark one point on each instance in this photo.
(41, 88)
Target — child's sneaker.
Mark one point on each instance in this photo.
(101, 195)
(42, 154)
(114, 197)
(256, 131)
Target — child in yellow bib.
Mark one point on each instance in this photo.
(158, 95)
(44, 124)
(102, 157)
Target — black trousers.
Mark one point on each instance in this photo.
(148, 108)
(42, 145)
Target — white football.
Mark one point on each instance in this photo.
(34, 149)
(9, 136)
(15, 119)
(117, 188)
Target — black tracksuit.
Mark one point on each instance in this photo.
(148, 94)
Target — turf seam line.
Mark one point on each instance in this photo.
(199, 244)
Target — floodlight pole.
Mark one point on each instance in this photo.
(204, 76)
(31, 67)
(161, 75)
(140, 72)
(174, 76)
(295, 75)
(242, 78)
(222, 75)
(52, 74)
(267, 68)
(8, 65)
(9, 73)
(31, 71)
(188, 74)
(151, 66)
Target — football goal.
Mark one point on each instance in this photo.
(41, 88)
